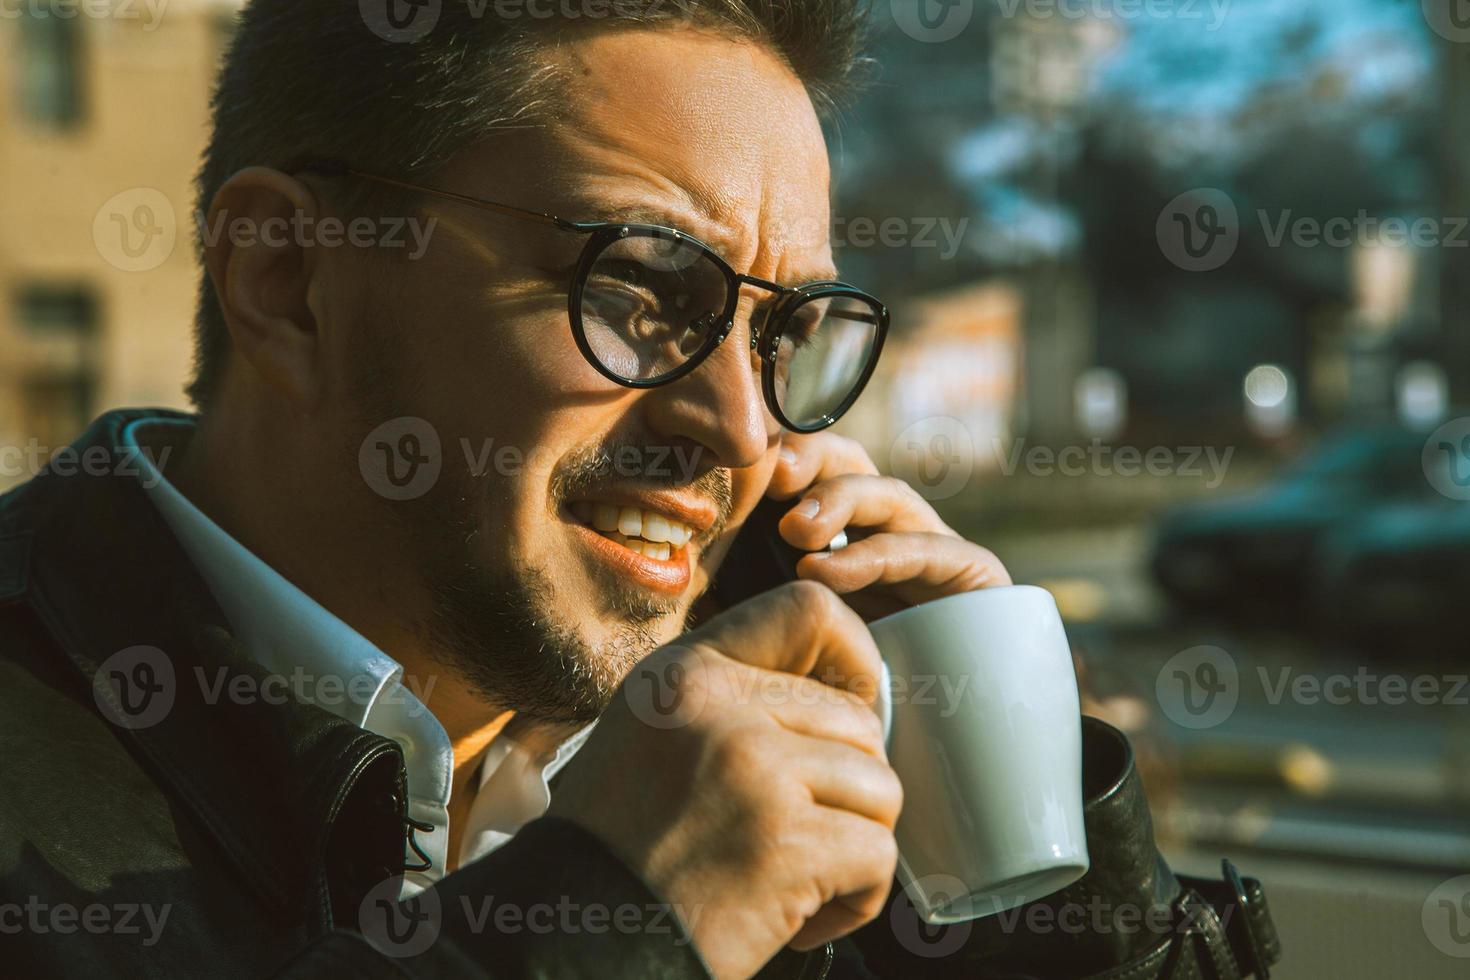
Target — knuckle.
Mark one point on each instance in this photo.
(884, 851)
(869, 727)
(810, 599)
(872, 724)
(853, 450)
(893, 792)
(906, 492)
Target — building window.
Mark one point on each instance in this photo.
(49, 67)
(55, 366)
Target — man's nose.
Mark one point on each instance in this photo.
(718, 405)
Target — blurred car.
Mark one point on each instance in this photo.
(1397, 582)
(1253, 556)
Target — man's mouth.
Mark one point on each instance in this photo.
(644, 532)
(648, 542)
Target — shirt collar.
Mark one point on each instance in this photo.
(326, 662)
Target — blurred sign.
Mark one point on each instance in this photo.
(961, 362)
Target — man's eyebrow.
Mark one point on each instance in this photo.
(707, 232)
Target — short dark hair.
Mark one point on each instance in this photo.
(306, 80)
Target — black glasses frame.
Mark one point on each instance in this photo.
(765, 341)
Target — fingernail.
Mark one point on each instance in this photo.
(788, 455)
(807, 508)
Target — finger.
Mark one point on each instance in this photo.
(846, 778)
(815, 456)
(917, 567)
(811, 708)
(798, 628)
(832, 921)
(858, 500)
(859, 880)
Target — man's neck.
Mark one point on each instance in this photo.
(251, 504)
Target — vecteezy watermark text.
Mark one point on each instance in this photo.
(127, 461)
(1096, 916)
(98, 918)
(309, 231)
(1200, 687)
(408, 927)
(1100, 459)
(150, 12)
(1200, 229)
(136, 687)
(403, 458)
(1212, 12)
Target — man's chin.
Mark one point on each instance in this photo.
(620, 604)
(552, 645)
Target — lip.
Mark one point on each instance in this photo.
(670, 576)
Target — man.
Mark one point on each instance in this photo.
(324, 647)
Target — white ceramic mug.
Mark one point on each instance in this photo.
(980, 710)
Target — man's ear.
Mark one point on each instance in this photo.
(261, 260)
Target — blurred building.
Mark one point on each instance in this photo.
(1454, 180)
(102, 120)
(949, 386)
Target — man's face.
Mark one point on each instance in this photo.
(541, 608)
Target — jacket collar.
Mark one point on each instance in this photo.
(107, 577)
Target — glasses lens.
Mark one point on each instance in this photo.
(825, 349)
(650, 302)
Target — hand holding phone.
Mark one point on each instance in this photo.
(760, 559)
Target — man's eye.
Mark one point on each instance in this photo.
(803, 329)
(628, 273)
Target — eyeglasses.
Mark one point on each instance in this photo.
(648, 304)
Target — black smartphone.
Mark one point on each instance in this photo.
(759, 559)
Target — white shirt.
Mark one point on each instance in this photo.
(327, 663)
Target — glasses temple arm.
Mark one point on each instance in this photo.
(336, 169)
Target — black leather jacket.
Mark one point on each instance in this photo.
(252, 837)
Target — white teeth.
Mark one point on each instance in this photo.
(645, 532)
(605, 517)
(630, 521)
(655, 528)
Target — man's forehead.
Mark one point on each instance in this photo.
(651, 133)
(690, 124)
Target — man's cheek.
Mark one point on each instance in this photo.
(713, 555)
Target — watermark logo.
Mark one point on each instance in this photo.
(400, 929)
(1198, 230)
(1450, 19)
(932, 21)
(135, 688)
(401, 459)
(135, 230)
(1446, 917)
(935, 455)
(1446, 459)
(1198, 687)
(664, 691)
(919, 937)
(400, 21)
